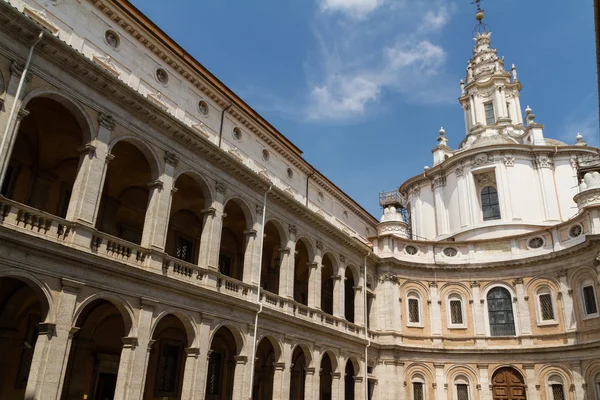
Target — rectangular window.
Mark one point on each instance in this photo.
(456, 314)
(413, 311)
(462, 392)
(546, 308)
(215, 363)
(167, 371)
(184, 249)
(490, 119)
(558, 392)
(418, 391)
(589, 298)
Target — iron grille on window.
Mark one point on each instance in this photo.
(490, 206)
(456, 312)
(183, 249)
(168, 363)
(558, 392)
(590, 300)
(490, 119)
(546, 307)
(214, 372)
(413, 310)
(500, 312)
(462, 392)
(418, 391)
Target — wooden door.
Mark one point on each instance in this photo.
(508, 384)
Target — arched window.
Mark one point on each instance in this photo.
(545, 306)
(588, 299)
(500, 312)
(597, 382)
(461, 388)
(556, 390)
(490, 206)
(418, 387)
(456, 311)
(413, 309)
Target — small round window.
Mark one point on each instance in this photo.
(450, 252)
(162, 76)
(203, 107)
(536, 242)
(112, 38)
(290, 173)
(320, 197)
(575, 231)
(266, 155)
(237, 133)
(411, 250)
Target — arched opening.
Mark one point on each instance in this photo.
(298, 374)
(500, 312)
(490, 205)
(45, 158)
(221, 366)
(186, 221)
(271, 259)
(20, 314)
(233, 241)
(264, 371)
(301, 272)
(349, 298)
(349, 377)
(327, 285)
(125, 194)
(95, 352)
(167, 359)
(508, 384)
(326, 378)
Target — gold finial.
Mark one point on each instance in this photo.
(481, 27)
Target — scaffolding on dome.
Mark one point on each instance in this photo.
(396, 199)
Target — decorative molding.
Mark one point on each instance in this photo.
(543, 161)
(41, 18)
(155, 184)
(319, 245)
(171, 158)
(107, 121)
(342, 258)
(509, 161)
(221, 187)
(293, 229)
(459, 171)
(475, 284)
(201, 128)
(156, 99)
(482, 159)
(16, 69)
(22, 114)
(106, 62)
(438, 181)
(259, 209)
(235, 153)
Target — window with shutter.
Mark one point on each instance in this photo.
(589, 299)
(462, 392)
(418, 391)
(546, 308)
(413, 311)
(558, 392)
(456, 312)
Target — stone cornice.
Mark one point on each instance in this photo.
(58, 52)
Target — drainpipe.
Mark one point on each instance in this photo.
(260, 306)
(366, 331)
(13, 110)
(221, 127)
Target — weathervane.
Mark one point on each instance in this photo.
(480, 27)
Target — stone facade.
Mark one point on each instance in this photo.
(139, 259)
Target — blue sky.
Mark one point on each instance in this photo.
(363, 86)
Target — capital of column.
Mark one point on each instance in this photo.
(22, 114)
(279, 366)
(250, 233)
(16, 69)
(87, 148)
(109, 157)
(129, 342)
(107, 121)
(336, 375)
(357, 288)
(284, 250)
(211, 211)
(47, 328)
(71, 286)
(155, 184)
(150, 344)
(240, 360)
(193, 352)
(73, 331)
(312, 265)
(336, 277)
(309, 371)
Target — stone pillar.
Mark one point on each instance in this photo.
(338, 296)
(359, 306)
(440, 382)
(16, 70)
(291, 262)
(159, 206)
(566, 296)
(337, 388)
(251, 272)
(137, 374)
(210, 241)
(40, 356)
(522, 308)
(286, 267)
(281, 381)
(389, 307)
(125, 366)
(578, 380)
(191, 378)
(240, 390)
(478, 314)
(436, 314)
(391, 378)
(359, 389)
(544, 165)
(485, 384)
(47, 376)
(204, 335)
(473, 110)
(89, 183)
(314, 284)
(532, 392)
(463, 196)
(437, 185)
(310, 387)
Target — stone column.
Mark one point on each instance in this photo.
(191, 379)
(436, 314)
(210, 241)
(523, 312)
(314, 284)
(310, 387)
(240, 390)
(337, 388)
(40, 356)
(544, 165)
(281, 381)
(359, 306)
(125, 366)
(566, 296)
(478, 314)
(532, 392)
(251, 272)
(89, 183)
(47, 374)
(440, 382)
(485, 383)
(338, 296)
(16, 70)
(578, 380)
(157, 214)
(137, 374)
(204, 334)
(441, 221)
(291, 263)
(285, 268)
(359, 389)
(463, 196)
(389, 309)
(473, 112)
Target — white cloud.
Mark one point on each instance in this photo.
(390, 50)
(355, 8)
